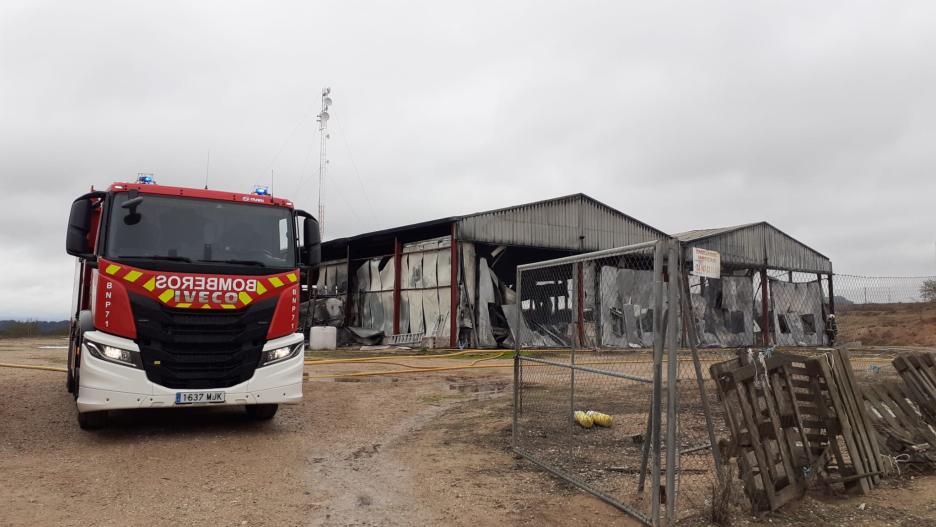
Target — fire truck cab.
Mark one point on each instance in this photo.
(186, 297)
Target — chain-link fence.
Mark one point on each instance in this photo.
(597, 402)
(595, 337)
(863, 290)
(885, 311)
(771, 307)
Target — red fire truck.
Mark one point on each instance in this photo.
(186, 297)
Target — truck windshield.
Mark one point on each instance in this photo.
(200, 230)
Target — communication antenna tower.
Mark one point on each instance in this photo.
(323, 157)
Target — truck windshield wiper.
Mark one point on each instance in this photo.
(157, 257)
(235, 261)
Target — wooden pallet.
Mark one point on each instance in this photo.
(794, 419)
(901, 430)
(918, 371)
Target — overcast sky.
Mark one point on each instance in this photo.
(819, 117)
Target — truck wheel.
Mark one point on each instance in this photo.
(261, 412)
(92, 420)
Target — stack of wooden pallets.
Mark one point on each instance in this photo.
(902, 433)
(904, 413)
(795, 420)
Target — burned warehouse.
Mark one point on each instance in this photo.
(445, 283)
(773, 289)
(451, 282)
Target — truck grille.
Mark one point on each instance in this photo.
(188, 349)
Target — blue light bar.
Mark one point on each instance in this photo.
(146, 179)
(261, 191)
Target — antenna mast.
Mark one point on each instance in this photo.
(207, 168)
(323, 158)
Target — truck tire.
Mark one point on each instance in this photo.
(92, 420)
(261, 412)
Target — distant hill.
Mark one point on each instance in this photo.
(842, 301)
(32, 328)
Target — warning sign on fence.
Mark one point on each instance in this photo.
(706, 263)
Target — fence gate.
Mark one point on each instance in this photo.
(596, 336)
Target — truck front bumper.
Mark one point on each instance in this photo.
(105, 385)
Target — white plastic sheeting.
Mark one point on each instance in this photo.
(723, 310)
(797, 313)
(425, 293)
(626, 305)
(485, 298)
(466, 293)
(386, 295)
(410, 283)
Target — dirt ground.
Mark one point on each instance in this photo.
(888, 324)
(417, 449)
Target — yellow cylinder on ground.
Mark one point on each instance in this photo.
(583, 419)
(599, 418)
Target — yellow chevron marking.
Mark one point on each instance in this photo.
(184, 305)
(292, 277)
(132, 276)
(244, 298)
(150, 284)
(205, 306)
(260, 288)
(276, 282)
(112, 269)
(166, 295)
(227, 306)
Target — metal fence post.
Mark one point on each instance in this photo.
(658, 254)
(573, 313)
(672, 374)
(516, 365)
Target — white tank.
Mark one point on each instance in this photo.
(323, 338)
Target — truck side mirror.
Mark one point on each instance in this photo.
(312, 242)
(79, 223)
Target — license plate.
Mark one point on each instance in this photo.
(199, 397)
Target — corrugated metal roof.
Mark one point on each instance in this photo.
(753, 243)
(698, 234)
(576, 223)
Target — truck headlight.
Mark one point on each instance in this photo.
(280, 354)
(114, 354)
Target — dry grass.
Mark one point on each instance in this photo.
(888, 324)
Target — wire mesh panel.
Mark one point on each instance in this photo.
(584, 397)
(603, 398)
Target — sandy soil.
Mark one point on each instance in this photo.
(426, 449)
(409, 450)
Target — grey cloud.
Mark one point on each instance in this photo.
(816, 117)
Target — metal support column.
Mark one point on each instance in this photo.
(765, 308)
(453, 308)
(831, 295)
(397, 267)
